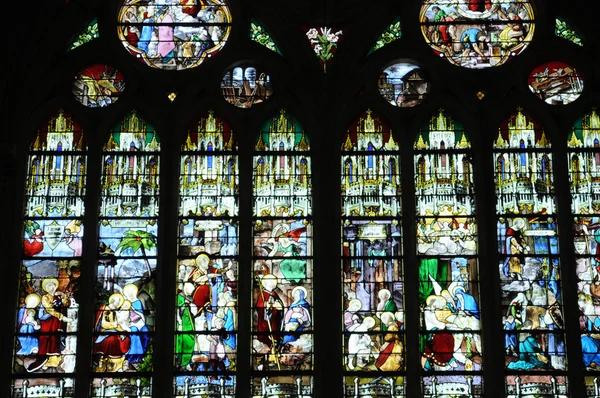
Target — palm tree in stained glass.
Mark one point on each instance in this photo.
(138, 240)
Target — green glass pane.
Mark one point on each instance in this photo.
(391, 33)
(260, 35)
(90, 33)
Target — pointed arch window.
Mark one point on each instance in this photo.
(48, 296)
(282, 284)
(372, 269)
(534, 336)
(447, 257)
(123, 334)
(206, 302)
(584, 174)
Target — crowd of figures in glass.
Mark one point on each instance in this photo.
(373, 323)
(98, 86)
(446, 230)
(127, 253)
(282, 324)
(48, 303)
(534, 341)
(246, 86)
(206, 313)
(477, 33)
(584, 168)
(174, 35)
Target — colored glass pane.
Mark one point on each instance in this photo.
(404, 85)
(566, 31)
(529, 268)
(90, 33)
(174, 36)
(260, 35)
(584, 166)
(127, 256)
(282, 327)
(447, 258)
(98, 86)
(372, 275)
(556, 83)
(477, 33)
(47, 312)
(246, 86)
(324, 42)
(206, 302)
(392, 33)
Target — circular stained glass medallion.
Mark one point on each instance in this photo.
(98, 86)
(477, 33)
(556, 83)
(246, 86)
(174, 35)
(404, 85)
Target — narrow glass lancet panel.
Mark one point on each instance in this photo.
(534, 337)
(282, 284)
(447, 257)
(372, 277)
(566, 31)
(48, 299)
(90, 33)
(392, 33)
(584, 175)
(206, 303)
(260, 35)
(127, 257)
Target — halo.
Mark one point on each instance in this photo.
(389, 315)
(128, 287)
(49, 280)
(300, 288)
(354, 301)
(117, 296)
(32, 300)
(202, 259)
(268, 276)
(518, 223)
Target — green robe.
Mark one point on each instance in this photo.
(185, 342)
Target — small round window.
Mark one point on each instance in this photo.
(246, 86)
(404, 85)
(98, 86)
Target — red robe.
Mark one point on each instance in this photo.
(479, 5)
(264, 305)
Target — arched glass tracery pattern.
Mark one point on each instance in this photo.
(534, 342)
(372, 272)
(48, 298)
(127, 254)
(282, 284)
(584, 175)
(450, 338)
(206, 312)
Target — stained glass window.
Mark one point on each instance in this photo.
(173, 36)
(477, 33)
(556, 83)
(392, 33)
(566, 31)
(48, 297)
(206, 312)
(98, 86)
(372, 273)
(282, 299)
(127, 255)
(90, 33)
(534, 337)
(584, 168)
(404, 85)
(260, 35)
(447, 257)
(324, 42)
(246, 85)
